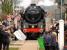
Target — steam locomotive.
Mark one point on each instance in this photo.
(33, 23)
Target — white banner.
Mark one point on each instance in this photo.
(19, 35)
(61, 35)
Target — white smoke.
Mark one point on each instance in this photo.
(47, 2)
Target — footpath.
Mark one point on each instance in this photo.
(25, 45)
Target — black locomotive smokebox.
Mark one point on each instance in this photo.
(33, 14)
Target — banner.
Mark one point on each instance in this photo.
(19, 35)
(41, 43)
(61, 35)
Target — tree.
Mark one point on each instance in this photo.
(7, 7)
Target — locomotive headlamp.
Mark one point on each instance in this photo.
(24, 26)
(32, 26)
(41, 26)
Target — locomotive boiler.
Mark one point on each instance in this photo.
(33, 23)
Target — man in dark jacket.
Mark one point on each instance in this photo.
(0, 36)
(0, 41)
(4, 39)
(47, 37)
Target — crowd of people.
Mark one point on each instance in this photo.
(11, 23)
(51, 38)
(8, 26)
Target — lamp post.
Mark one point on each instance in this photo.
(61, 8)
